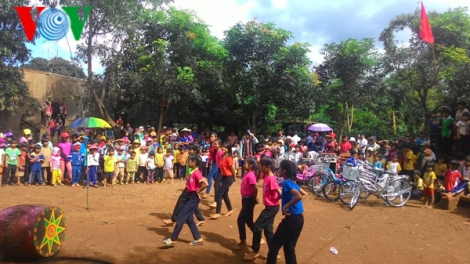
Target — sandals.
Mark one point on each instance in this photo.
(168, 242)
(196, 243)
(229, 213)
(200, 223)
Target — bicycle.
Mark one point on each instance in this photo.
(323, 175)
(331, 190)
(385, 185)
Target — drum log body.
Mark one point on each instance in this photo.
(31, 231)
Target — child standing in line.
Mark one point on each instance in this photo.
(428, 183)
(121, 158)
(131, 168)
(159, 162)
(12, 154)
(288, 231)
(93, 161)
(46, 150)
(394, 165)
(271, 195)
(205, 162)
(36, 159)
(168, 166)
(77, 163)
(249, 193)
(55, 167)
(195, 186)
(142, 172)
(150, 165)
(24, 168)
(109, 167)
(176, 164)
(236, 161)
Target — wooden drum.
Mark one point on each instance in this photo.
(31, 231)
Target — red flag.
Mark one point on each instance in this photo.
(425, 32)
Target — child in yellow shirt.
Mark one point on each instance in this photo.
(159, 162)
(176, 164)
(182, 159)
(440, 167)
(428, 183)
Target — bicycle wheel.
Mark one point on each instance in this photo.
(398, 193)
(310, 182)
(331, 190)
(346, 191)
(355, 197)
(318, 183)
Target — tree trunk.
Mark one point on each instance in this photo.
(350, 118)
(342, 123)
(160, 123)
(98, 101)
(254, 117)
(394, 120)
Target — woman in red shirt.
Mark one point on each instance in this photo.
(227, 172)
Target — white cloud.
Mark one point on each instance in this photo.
(220, 15)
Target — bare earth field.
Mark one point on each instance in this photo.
(124, 225)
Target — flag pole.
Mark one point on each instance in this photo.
(437, 74)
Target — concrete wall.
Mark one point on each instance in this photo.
(63, 87)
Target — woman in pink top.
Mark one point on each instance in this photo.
(271, 195)
(65, 149)
(249, 193)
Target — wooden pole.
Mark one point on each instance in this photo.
(394, 123)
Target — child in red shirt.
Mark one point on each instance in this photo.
(451, 175)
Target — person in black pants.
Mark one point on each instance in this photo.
(289, 229)
(227, 177)
(179, 206)
(249, 193)
(195, 186)
(271, 196)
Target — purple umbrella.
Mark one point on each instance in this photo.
(319, 127)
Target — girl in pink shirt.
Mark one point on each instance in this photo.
(195, 186)
(249, 193)
(217, 144)
(271, 196)
(65, 150)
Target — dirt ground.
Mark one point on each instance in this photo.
(124, 225)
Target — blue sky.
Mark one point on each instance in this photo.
(316, 22)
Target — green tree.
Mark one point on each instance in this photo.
(350, 76)
(108, 23)
(264, 75)
(58, 65)
(14, 91)
(171, 58)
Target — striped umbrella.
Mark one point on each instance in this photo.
(89, 122)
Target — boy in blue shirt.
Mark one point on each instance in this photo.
(36, 159)
(77, 158)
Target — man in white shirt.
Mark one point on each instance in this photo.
(296, 138)
(362, 141)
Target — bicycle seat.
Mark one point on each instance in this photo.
(349, 164)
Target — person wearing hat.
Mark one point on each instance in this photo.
(65, 147)
(280, 147)
(121, 158)
(55, 167)
(26, 136)
(447, 131)
(139, 134)
(46, 150)
(331, 145)
(93, 161)
(77, 159)
(185, 138)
